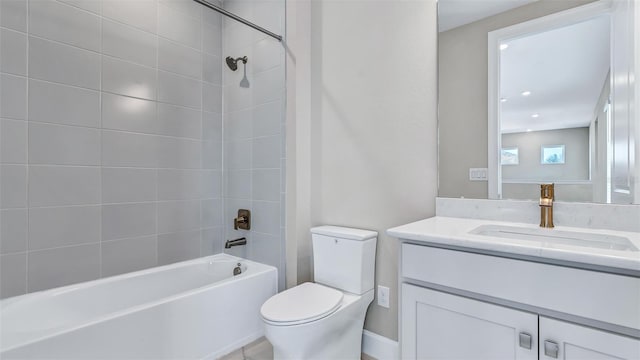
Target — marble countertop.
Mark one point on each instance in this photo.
(450, 231)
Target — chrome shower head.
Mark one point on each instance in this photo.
(233, 63)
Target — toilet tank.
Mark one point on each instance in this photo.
(344, 258)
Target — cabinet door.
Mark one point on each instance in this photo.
(436, 325)
(572, 342)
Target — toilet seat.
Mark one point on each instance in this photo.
(304, 303)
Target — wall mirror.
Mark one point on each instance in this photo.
(554, 97)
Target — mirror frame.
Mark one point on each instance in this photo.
(545, 23)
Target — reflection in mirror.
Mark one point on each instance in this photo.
(547, 84)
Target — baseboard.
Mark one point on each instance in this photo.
(379, 347)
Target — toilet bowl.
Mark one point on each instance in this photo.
(324, 320)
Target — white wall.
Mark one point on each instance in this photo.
(373, 126)
(111, 143)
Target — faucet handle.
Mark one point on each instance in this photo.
(243, 221)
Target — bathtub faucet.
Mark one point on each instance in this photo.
(230, 243)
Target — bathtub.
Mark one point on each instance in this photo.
(190, 310)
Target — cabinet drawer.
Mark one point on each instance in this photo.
(594, 295)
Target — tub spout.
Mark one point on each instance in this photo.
(231, 243)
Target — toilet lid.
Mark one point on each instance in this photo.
(304, 303)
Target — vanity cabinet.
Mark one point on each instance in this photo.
(464, 305)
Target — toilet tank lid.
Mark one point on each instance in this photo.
(344, 232)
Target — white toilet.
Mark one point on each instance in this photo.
(324, 320)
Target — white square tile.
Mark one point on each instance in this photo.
(63, 64)
(124, 185)
(127, 113)
(61, 104)
(267, 119)
(121, 221)
(212, 69)
(266, 152)
(128, 149)
(176, 216)
(211, 126)
(211, 213)
(126, 78)
(179, 27)
(266, 217)
(212, 35)
(238, 155)
(179, 59)
(123, 256)
(63, 185)
(267, 85)
(13, 274)
(238, 125)
(13, 14)
(13, 47)
(132, 12)
(179, 184)
(267, 54)
(212, 241)
(13, 97)
(238, 184)
(13, 186)
(211, 155)
(266, 184)
(89, 5)
(63, 145)
(53, 227)
(13, 141)
(13, 230)
(179, 121)
(187, 7)
(179, 90)
(179, 153)
(61, 22)
(212, 98)
(178, 247)
(63, 266)
(211, 184)
(128, 43)
(236, 97)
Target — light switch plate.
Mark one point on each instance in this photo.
(478, 174)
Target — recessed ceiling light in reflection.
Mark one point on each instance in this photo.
(504, 46)
(528, 130)
(503, 99)
(526, 93)
(535, 115)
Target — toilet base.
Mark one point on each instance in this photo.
(337, 336)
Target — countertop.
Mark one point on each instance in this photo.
(455, 232)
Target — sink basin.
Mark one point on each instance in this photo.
(590, 240)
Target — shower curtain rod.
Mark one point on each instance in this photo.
(238, 18)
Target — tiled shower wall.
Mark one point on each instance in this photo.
(254, 130)
(111, 140)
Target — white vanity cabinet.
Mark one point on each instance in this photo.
(458, 304)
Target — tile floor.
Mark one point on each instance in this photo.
(261, 350)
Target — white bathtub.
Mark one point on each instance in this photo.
(189, 310)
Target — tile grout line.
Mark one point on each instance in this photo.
(26, 275)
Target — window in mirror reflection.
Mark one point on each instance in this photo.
(509, 156)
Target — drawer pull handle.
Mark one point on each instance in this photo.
(551, 349)
(525, 340)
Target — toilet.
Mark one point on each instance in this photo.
(324, 319)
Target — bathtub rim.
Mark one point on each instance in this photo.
(260, 269)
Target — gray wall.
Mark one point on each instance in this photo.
(254, 132)
(462, 95)
(575, 167)
(373, 154)
(111, 138)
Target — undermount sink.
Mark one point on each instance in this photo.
(599, 241)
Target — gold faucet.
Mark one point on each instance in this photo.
(546, 205)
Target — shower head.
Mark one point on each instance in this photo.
(233, 63)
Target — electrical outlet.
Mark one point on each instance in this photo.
(383, 296)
